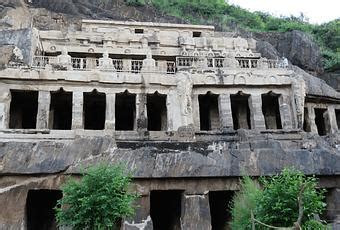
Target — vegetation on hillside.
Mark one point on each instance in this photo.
(226, 16)
(99, 201)
(284, 200)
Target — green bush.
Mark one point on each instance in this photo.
(98, 201)
(314, 225)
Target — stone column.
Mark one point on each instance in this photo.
(256, 115)
(196, 112)
(5, 100)
(332, 119)
(141, 123)
(110, 117)
(285, 112)
(225, 114)
(196, 212)
(44, 101)
(311, 119)
(77, 110)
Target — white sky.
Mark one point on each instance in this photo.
(318, 11)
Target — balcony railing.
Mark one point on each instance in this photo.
(87, 64)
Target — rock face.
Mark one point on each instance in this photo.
(295, 45)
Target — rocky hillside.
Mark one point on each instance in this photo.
(299, 47)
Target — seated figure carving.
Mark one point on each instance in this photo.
(64, 60)
(106, 63)
(149, 64)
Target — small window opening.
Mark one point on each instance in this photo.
(320, 121)
(157, 112)
(139, 31)
(240, 110)
(40, 209)
(220, 209)
(337, 115)
(61, 110)
(23, 109)
(94, 110)
(271, 110)
(209, 115)
(125, 110)
(165, 209)
(196, 34)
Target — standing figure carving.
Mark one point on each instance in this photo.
(184, 93)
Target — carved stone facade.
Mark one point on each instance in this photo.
(187, 109)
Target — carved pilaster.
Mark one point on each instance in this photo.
(77, 111)
(225, 114)
(311, 119)
(44, 100)
(141, 122)
(196, 112)
(110, 117)
(285, 112)
(332, 119)
(256, 115)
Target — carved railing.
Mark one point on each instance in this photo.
(87, 64)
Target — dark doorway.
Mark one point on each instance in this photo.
(61, 110)
(39, 209)
(337, 115)
(219, 202)
(23, 109)
(306, 125)
(94, 110)
(166, 209)
(271, 110)
(125, 111)
(320, 121)
(157, 112)
(240, 110)
(209, 116)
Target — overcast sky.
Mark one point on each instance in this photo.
(318, 11)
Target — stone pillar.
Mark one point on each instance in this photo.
(196, 212)
(285, 112)
(256, 115)
(77, 110)
(332, 119)
(225, 114)
(44, 101)
(5, 100)
(196, 112)
(141, 123)
(110, 117)
(311, 119)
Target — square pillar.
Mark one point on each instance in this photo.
(110, 117)
(256, 115)
(285, 112)
(44, 101)
(141, 122)
(332, 119)
(196, 212)
(5, 101)
(311, 119)
(225, 114)
(77, 110)
(196, 112)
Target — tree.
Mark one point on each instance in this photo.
(98, 201)
(285, 200)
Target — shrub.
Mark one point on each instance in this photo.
(98, 201)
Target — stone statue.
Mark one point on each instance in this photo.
(149, 64)
(64, 59)
(284, 63)
(231, 61)
(299, 91)
(184, 91)
(106, 63)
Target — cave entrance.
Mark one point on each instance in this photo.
(40, 209)
(209, 116)
(320, 121)
(23, 109)
(61, 110)
(165, 209)
(271, 110)
(157, 112)
(337, 115)
(125, 110)
(94, 110)
(240, 110)
(219, 209)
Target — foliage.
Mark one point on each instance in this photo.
(276, 204)
(243, 202)
(98, 201)
(314, 225)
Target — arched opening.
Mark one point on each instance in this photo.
(271, 110)
(125, 110)
(61, 110)
(94, 110)
(157, 112)
(240, 110)
(209, 114)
